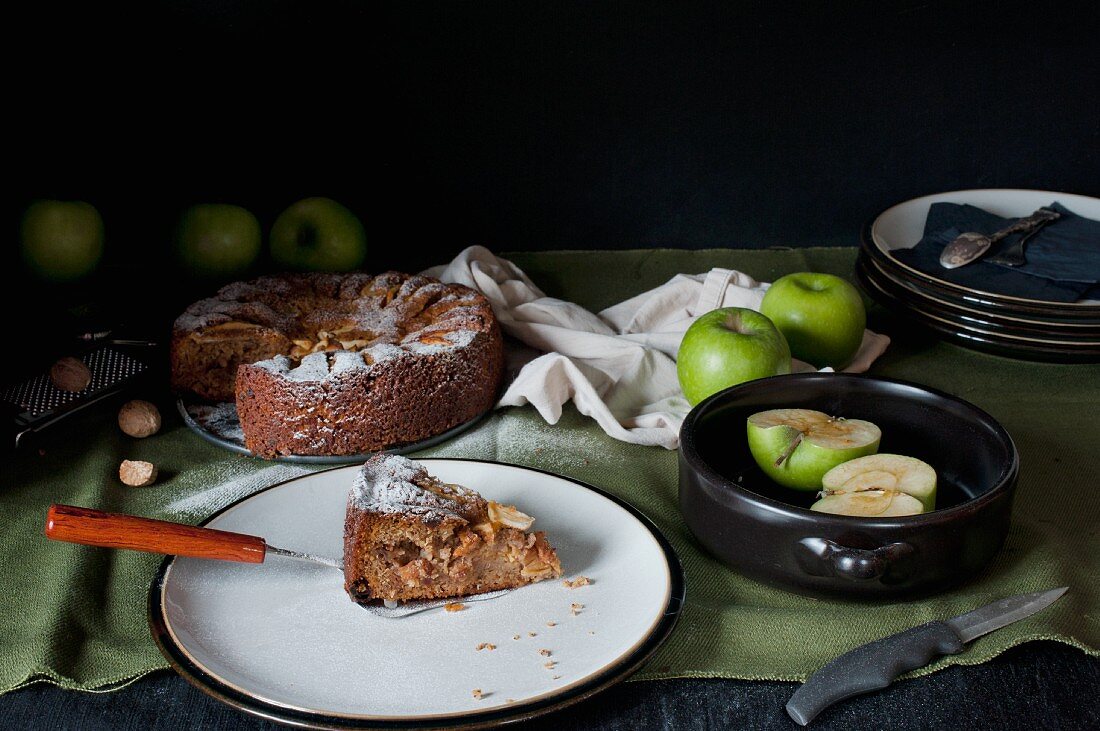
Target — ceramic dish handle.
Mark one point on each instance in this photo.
(822, 557)
(112, 530)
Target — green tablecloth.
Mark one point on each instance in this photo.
(76, 616)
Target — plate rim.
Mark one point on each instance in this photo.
(870, 237)
(874, 266)
(599, 681)
(967, 339)
(944, 313)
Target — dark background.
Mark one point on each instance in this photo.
(523, 125)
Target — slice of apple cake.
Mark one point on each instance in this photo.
(409, 535)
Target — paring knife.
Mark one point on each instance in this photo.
(114, 530)
(876, 664)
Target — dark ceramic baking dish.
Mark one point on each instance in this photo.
(768, 532)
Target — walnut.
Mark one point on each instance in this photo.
(70, 374)
(137, 474)
(139, 418)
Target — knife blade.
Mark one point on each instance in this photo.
(877, 664)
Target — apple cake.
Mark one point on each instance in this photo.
(408, 535)
(334, 364)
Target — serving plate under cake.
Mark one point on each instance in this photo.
(218, 424)
(283, 641)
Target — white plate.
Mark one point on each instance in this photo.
(281, 639)
(902, 226)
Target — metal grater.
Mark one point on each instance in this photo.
(38, 403)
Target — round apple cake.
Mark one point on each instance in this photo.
(341, 364)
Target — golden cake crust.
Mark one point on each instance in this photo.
(329, 364)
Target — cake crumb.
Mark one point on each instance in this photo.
(591, 632)
(486, 646)
(555, 677)
(515, 637)
(478, 694)
(544, 652)
(575, 608)
(454, 607)
(549, 664)
(551, 624)
(532, 634)
(577, 582)
(509, 700)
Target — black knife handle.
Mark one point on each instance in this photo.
(871, 667)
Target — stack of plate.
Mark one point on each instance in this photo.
(1032, 329)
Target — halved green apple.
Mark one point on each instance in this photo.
(796, 447)
(888, 473)
(870, 504)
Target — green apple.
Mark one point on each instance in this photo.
(62, 240)
(796, 447)
(821, 316)
(218, 240)
(318, 234)
(885, 473)
(729, 346)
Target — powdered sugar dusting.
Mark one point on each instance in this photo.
(326, 366)
(219, 419)
(387, 483)
(346, 360)
(455, 339)
(389, 308)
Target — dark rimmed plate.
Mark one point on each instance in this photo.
(282, 641)
(969, 317)
(981, 339)
(902, 225)
(219, 425)
(957, 307)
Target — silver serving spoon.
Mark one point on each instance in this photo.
(969, 247)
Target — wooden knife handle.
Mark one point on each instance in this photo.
(113, 530)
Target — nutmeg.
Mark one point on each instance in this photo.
(139, 418)
(70, 374)
(136, 473)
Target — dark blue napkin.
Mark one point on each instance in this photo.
(1063, 259)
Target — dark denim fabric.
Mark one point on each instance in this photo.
(1040, 685)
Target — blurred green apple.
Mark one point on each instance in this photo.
(62, 240)
(821, 316)
(318, 234)
(218, 240)
(729, 346)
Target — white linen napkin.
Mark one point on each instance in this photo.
(618, 366)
